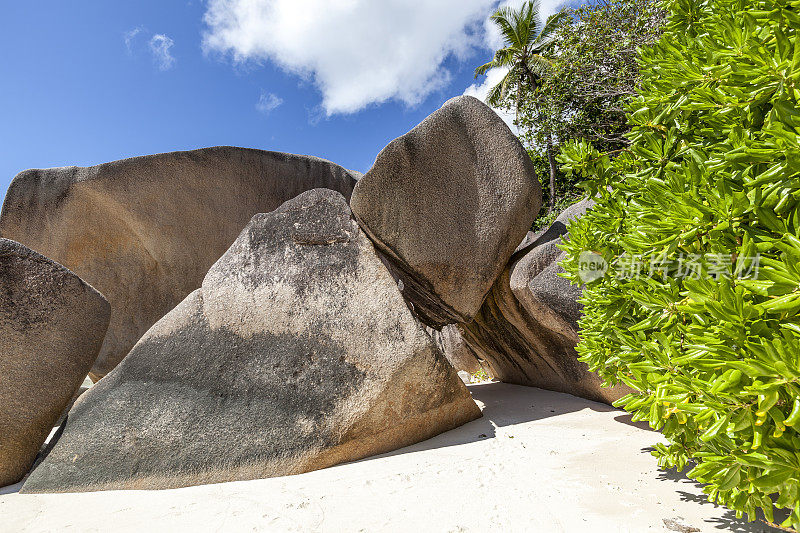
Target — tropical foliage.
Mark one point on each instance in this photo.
(698, 220)
(524, 57)
(523, 54)
(572, 79)
(593, 73)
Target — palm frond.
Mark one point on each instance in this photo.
(495, 95)
(506, 57)
(499, 92)
(521, 28)
(545, 37)
(538, 61)
(539, 65)
(483, 69)
(504, 19)
(527, 20)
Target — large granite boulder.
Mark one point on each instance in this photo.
(297, 353)
(526, 330)
(536, 282)
(144, 231)
(447, 203)
(51, 327)
(455, 349)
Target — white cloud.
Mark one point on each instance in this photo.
(357, 52)
(480, 90)
(268, 102)
(160, 46)
(130, 36)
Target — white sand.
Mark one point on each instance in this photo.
(546, 462)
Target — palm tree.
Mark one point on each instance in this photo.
(524, 55)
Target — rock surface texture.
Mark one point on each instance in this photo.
(144, 231)
(447, 204)
(535, 279)
(297, 353)
(458, 352)
(51, 327)
(526, 330)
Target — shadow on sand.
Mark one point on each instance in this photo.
(504, 405)
(728, 521)
(11, 489)
(507, 405)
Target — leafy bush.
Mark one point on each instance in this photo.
(593, 73)
(699, 222)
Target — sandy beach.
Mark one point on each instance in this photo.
(536, 461)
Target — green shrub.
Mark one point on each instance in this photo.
(546, 219)
(699, 222)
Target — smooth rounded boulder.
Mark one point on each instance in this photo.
(51, 327)
(536, 279)
(144, 231)
(527, 329)
(447, 204)
(297, 353)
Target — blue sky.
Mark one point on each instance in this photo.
(85, 82)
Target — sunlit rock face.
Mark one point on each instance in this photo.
(51, 327)
(298, 352)
(447, 204)
(144, 231)
(527, 328)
